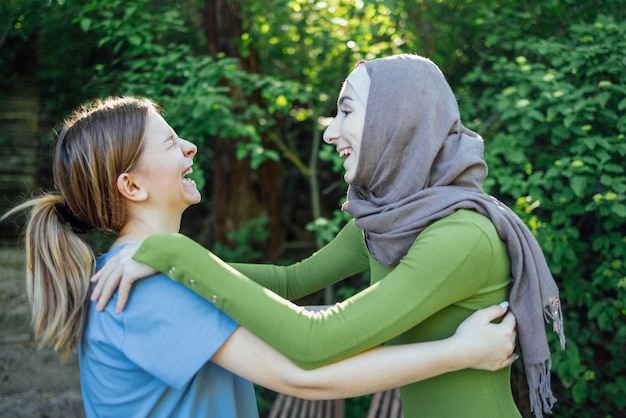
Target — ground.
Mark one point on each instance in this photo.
(33, 383)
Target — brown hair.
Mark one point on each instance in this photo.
(94, 146)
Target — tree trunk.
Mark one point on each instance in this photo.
(239, 192)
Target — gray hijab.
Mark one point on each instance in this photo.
(418, 164)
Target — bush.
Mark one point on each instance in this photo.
(554, 131)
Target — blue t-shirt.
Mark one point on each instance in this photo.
(153, 360)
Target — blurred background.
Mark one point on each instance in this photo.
(252, 83)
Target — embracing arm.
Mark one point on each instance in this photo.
(477, 344)
(323, 268)
(316, 272)
(414, 290)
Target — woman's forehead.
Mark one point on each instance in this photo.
(360, 81)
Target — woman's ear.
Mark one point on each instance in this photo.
(130, 189)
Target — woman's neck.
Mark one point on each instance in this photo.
(137, 230)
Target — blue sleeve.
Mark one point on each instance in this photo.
(171, 332)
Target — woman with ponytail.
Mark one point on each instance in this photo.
(119, 167)
(85, 169)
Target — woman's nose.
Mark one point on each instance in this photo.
(331, 133)
(189, 148)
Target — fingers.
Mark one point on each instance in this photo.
(99, 279)
(122, 295)
(509, 360)
(107, 280)
(509, 320)
(95, 277)
(109, 277)
(493, 312)
(490, 341)
(505, 363)
(107, 291)
(106, 286)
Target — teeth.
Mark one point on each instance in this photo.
(188, 181)
(345, 152)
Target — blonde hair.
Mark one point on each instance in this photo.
(95, 145)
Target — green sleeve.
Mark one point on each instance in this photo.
(433, 275)
(316, 272)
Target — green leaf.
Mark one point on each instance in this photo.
(613, 168)
(578, 185)
(569, 120)
(619, 209)
(134, 40)
(515, 157)
(561, 131)
(535, 114)
(272, 155)
(527, 123)
(603, 98)
(85, 24)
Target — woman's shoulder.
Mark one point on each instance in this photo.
(464, 229)
(468, 220)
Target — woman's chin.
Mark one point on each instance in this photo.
(193, 198)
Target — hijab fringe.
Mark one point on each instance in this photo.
(538, 375)
(541, 398)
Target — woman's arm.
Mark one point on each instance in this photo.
(324, 268)
(477, 344)
(423, 283)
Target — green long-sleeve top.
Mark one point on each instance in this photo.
(456, 265)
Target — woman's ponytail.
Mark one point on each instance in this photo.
(59, 265)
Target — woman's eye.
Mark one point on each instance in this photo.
(345, 112)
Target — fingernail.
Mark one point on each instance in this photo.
(505, 304)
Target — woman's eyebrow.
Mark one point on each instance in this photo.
(343, 99)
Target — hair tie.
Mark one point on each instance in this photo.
(68, 217)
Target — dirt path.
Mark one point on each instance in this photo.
(33, 383)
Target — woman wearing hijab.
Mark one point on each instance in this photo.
(437, 248)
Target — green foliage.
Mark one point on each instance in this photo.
(15, 32)
(203, 97)
(555, 143)
(317, 43)
(244, 242)
(326, 229)
(545, 85)
(39, 43)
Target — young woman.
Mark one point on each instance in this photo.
(119, 167)
(437, 248)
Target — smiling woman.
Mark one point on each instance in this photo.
(158, 177)
(346, 129)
